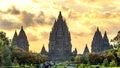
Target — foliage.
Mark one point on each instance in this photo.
(77, 59)
(109, 57)
(105, 63)
(5, 53)
(83, 60)
(24, 57)
(112, 63)
(6, 56)
(15, 62)
(82, 66)
(4, 38)
(72, 59)
(116, 38)
(95, 58)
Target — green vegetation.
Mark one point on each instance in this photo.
(109, 58)
(5, 51)
(15, 57)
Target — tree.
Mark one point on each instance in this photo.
(105, 63)
(4, 49)
(15, 62)
(112, 63)
(83, 60)
(1, 43)
(6, 56)
(72, 59)
(77, 59)
(24, 57)
(109, 57)
(95, 58)
(116, 41)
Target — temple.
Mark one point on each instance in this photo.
(60, 47)
(20, 40)
(100, 44)
(86, 51)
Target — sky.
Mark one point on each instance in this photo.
(38, 16)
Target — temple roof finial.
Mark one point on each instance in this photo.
(105, 35)
(60, 15)
(97, 28)
(21, 27)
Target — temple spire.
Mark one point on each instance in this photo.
(105, 35)
(60, 15)
(43, 51)
(97, 42)
(106, 43)
(86, 50)
(75, 52)
(15, 33)
(23, 39)
(97, 28)
(21, 27)
(60, 41)
(60, 18)
(14, 40)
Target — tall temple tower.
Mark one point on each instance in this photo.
(97, 42)
(15, 39)
(21, 40)
(43, 51)
(106, 42)
(100, 44)
(86, 51)
(60, 41)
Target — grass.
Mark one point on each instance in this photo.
(18, 67)
(58, 67)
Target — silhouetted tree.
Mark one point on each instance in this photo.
(4, 49)
(95, 58)
(105, 63)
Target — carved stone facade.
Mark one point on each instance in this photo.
(100, 44)
(20, 40)
(60, 47)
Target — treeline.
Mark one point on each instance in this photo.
(15, 56)
(109, 58)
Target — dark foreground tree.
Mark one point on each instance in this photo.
(95, 58)
(4, 50)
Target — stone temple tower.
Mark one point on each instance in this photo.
(86, 51)
(20, 40)
(60, 41)
(99, 43)
(43, 51)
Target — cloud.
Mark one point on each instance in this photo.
(32, 37)
(44, 35)
(79, 34)
(41, 19)
(11, 10)
(8, 25)
(27, 19)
